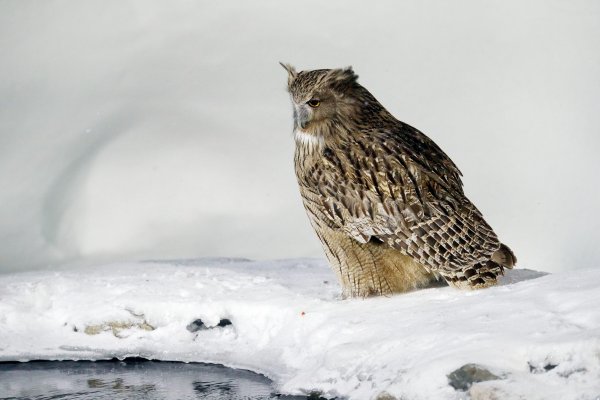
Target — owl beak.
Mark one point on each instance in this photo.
(302, 116)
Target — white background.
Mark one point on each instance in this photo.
(146, 129)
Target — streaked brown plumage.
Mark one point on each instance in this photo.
(386, 202)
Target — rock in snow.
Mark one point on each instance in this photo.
(464, 377)
(536, 336)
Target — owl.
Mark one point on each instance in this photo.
(385, 201)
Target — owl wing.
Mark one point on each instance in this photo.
(398, 187)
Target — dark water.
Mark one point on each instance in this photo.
(131, 379)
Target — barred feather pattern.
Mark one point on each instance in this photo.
(381, 182)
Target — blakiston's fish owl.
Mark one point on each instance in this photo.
(386, 202)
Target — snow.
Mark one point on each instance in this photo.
(289, 323)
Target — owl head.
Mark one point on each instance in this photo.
(323, 97)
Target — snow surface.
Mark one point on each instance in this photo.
(289, 323)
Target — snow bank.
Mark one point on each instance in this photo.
(540, 334)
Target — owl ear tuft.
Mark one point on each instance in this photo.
(291, 72)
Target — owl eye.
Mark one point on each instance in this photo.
(314, 103)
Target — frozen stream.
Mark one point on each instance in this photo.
(131, 379)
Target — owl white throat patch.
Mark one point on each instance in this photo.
(307, 139)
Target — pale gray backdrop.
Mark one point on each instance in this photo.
(162, 129)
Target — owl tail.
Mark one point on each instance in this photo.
(483, 274)
(504, 256)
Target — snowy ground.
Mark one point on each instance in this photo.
(539, 333)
